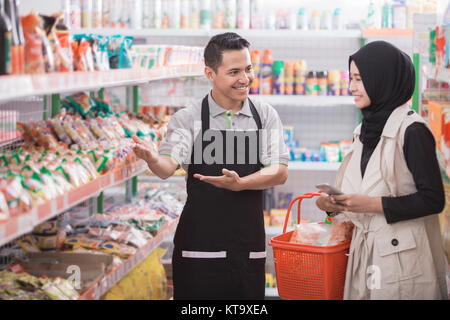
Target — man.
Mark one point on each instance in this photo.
(232, 149)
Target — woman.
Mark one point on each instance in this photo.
(392, 185)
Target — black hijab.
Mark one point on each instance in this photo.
(388, 77)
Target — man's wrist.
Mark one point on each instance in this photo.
(152, 161)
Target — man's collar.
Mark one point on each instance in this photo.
(216, 110)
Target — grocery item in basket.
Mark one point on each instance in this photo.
(311, 233)
(341, 230)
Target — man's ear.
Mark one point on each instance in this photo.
(210, 73)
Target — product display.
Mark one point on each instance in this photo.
(84, 141)
(293, 78)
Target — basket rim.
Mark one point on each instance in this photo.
(276, 243)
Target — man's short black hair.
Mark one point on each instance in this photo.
(218, 44)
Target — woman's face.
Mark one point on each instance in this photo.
(357, 89)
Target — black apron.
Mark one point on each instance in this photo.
(219, 245)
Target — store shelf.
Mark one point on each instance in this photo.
(387, 32)
(305, 101)
(96, 291)
(23, 223)
(438, 73)
(313, 166)
(249, 33)
(15, 87)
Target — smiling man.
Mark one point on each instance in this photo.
(232, 149)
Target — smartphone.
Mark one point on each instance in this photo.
(330, 190)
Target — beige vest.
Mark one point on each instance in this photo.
(403, 260)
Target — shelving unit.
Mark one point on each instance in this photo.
(305, 101)
(97, 290)
(14, 88)
(260, 33)
(24, 223)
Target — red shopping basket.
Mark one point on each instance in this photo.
(307, 272)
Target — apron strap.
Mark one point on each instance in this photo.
(205, 115)
(255, 114)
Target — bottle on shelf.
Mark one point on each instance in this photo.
(205, 14)
(334, 82)
(194, 14)
(300, 68)
(219, 14)
(243, 14)
(399, 14)
(289, 77)
(256, 63)
(21, 38)
(278, 77)
(386, 18)
(311, 84)
(256, 14)
(322, 83)
(266, 73)
(230, 14)
(5, 41)
(10, 12)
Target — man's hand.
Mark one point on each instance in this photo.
(230, 180)
(144, 150)
(359, 203)
(326, 203)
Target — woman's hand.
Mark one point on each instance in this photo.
(358, 203)
(325, 203)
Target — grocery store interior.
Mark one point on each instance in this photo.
(78, 78)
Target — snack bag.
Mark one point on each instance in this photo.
(34, 56)
(311, 233)
(341, 229)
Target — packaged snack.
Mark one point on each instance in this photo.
(34, 56)
(63, 35)
(66, 288)
(28, 244)
(53, 292)
(121, 250)
(46, 242)
(49, 227)
(83, 242)
(82, 52)
(61, 60)
(311, 233)
(59, 131)
(341, 229)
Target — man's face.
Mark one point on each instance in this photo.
(234, 75)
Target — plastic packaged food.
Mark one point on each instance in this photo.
(312, 234)
(34, 35)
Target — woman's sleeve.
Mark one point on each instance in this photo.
(420, 154)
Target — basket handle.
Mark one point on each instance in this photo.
(299, 199)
